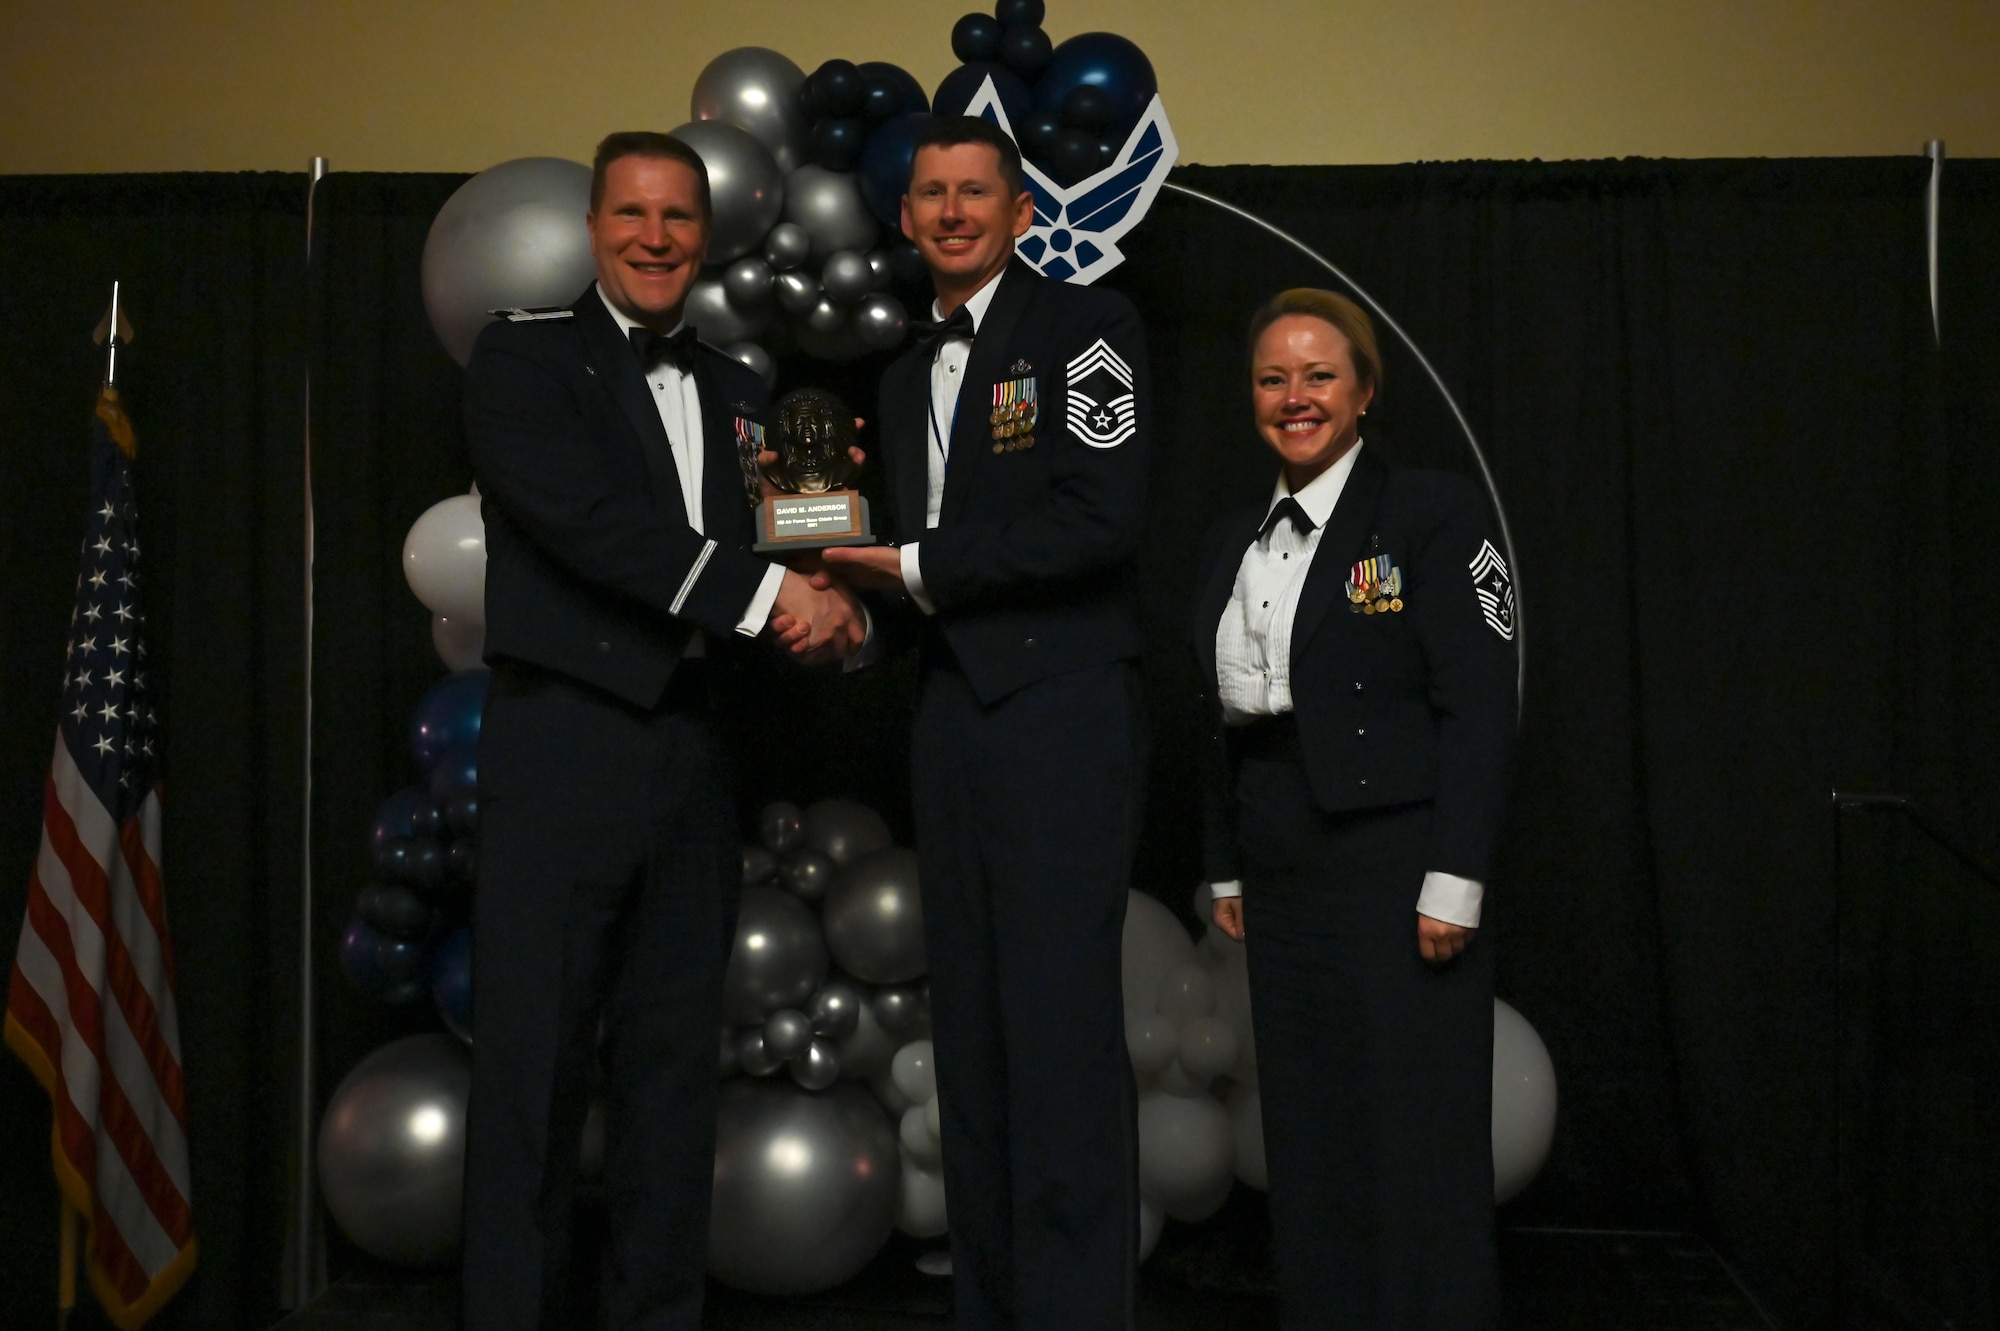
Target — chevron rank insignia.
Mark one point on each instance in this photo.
(1495, 589)
(1100, 407)
(523, 314)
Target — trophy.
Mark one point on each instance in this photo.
(811, 435)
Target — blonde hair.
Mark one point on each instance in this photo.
(1349, 319)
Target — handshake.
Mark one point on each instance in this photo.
(818, 617)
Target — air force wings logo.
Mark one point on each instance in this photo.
(1098, 389)
(1074, 237)
(1495, 590)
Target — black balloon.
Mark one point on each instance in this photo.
(1019, 13)
(428, 819)
(975, 37)
(462, 815)
(837, 143)
(1107, 153)
(840, 88)
(1073, 155)
(1086, 107)
(399, 958)
(959, 87)
(1025, 50)
(1038, 132)
(392, 859)
(463, 860)
(906, 265)
(425, 866)
(392, 819)
(1104, 60)
(810, 100)
(396, 912)
(885, 167)
(881, 100)
(913, 99)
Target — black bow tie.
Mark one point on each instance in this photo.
(652, 347)
(957, 324)
(1287, 507)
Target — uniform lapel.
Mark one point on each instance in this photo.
(971, 436)
(613, 365)
(907, 393)
(1219, 581)
(1347, 529)
(723, 497)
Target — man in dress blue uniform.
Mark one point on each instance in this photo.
(1014, 435)
(617, 534)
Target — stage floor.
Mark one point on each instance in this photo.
(1212, 1277)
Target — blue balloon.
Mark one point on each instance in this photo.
(448, 716)
(392, 818)
(885, 167)
(394, 911)
(1104, 60)
(962, 85)
(908, 89)
(451, 982)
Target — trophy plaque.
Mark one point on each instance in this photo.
(811, 434)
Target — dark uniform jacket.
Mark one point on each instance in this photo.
(1030, 566)
(592, 570)
(1391, 707)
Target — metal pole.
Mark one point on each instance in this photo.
(306, 1257)
(1934, 150)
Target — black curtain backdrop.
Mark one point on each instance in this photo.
(213, 269)
(1755, 515)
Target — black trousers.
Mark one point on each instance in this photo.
(1025, 818)
(609, 868)
(1375, 1069)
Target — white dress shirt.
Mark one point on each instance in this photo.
(679, 403)
(947, 377)
(1253, 650)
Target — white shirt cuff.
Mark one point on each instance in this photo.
(1232, 888)
(913, 579)
(1452, 899)
(759, 613)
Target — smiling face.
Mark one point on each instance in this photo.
(648, 236)
(1307, 398)
(962, 217)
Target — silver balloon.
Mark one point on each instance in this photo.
(825, 318)
(787, 1033)
(746, 188)
(726, 1062)
(778, 959)
(828, 204)
(752, 1056)
(748, 282)
(780, 826)
(819, 1066)
(798, 293)
(512, 235)
(835, 1010)
(806, 874)
(866, 1051)
(787, 247)
(758, 361)
(874, 918)
(392, 1150)
(880, 268)
(757, 90)
(915, 1134)
(759, 865)
(880, 320)
(896, 1008)
(845, 277)
(844, 830)
(717, 321)
(806, 1186)
(838, 343)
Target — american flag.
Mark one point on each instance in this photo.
(90, 1003)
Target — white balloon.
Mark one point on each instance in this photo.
(1186, 992)
(1152, 1220)
(932, 1123)
(1152, 1042)
(444, 558)
(1154, 943)
(1208, 1048)
(1524, 1102)
(1187, 1154)
(920, 1211)
(460, 643)
(913, 1072)
(1246, 1127)
(917, 1139)
(1175, 1079)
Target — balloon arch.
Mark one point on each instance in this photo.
(827, 1044)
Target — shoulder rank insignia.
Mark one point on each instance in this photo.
(749, 443)
(1106, 416)
(1016, 408)
(1375, 587)
(1495, 589)
(523, 314)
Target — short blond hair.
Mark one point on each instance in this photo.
(1349, 319)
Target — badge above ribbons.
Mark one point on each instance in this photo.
(1375, 587)
(1098, 397)
(1016, 408)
